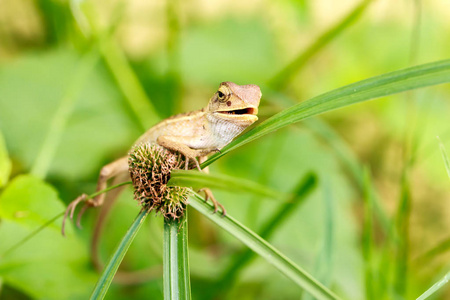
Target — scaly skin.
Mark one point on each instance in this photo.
(195, 135)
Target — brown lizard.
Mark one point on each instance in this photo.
(194, 134)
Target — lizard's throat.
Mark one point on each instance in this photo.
(226, 129)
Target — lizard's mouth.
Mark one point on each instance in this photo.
(241, 111)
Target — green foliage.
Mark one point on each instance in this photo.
(25, 204)
(81, 80)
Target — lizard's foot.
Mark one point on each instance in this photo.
(186, 164)
(70, 211)
(209, 196)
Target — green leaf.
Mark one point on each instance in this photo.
(42, 266)
(263, 248)
(176, 259)
(375, 87)
(198, 180)
(102, 286)
(5, 162)
(98, 106)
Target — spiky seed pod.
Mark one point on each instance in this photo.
(150, 166)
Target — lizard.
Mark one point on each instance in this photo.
(197, 134)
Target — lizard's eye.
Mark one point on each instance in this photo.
(220, 95)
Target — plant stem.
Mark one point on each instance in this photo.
(176, 259)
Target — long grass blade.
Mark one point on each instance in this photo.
(5, 162)
(444, 156)
(110, 270)
(300, 194)
(58, 123)
(368, 238)
(282, 79)
(375, 87)
(176, 260)
(435, 287)
(263, 248)
(199, 180)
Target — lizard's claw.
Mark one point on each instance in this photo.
(71, 210)
(209, 196)
(186, 166)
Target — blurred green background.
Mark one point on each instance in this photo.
(81, 80)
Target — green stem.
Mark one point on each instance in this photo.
(110, 270)
(176, 259)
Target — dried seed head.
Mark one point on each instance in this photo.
(150, 166)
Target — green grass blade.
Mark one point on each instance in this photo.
(263, 248)
(129, 84)
(351, 164)
(300, 194)
(282, 79)
(435, 287)
(58, 123)
(401, 242)
(367, 237)
(110, 270)
(375, 87)
(197, 180)
(431, 254)
(444, 156)
(176, 260)
(5, 162)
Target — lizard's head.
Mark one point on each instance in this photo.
(236, 103)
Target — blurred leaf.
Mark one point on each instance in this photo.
(43, 266)
(198, 180)
(5, 162)
(284, 77)
(264, 249)
(378, 86)
(228, 48)
(31, 89)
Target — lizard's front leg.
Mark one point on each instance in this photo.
(176, 143)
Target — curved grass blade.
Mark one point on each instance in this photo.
(60, 119)
(176, 260)
(300, 194)
(263, 248)
(198, 180)
(107, 276)
(435, 287)
(375, 87)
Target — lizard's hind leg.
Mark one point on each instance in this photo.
(109, 171)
